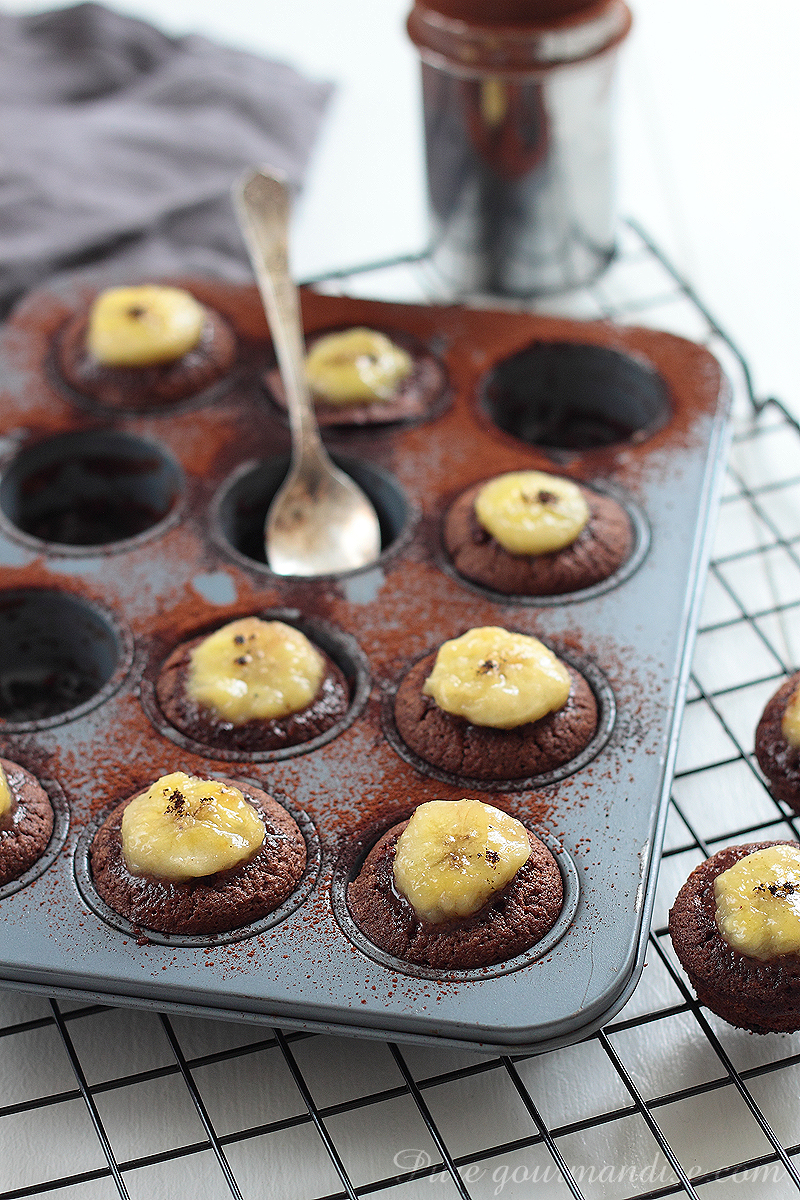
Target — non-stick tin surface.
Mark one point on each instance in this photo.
(181, 495)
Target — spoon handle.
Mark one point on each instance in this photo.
(264, 205)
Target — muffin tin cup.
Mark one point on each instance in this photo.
(90, 492)
(606, 716)
(351, 862)
(641, 542)
(141, 934)
(567, 399)
(212, 394)
(116, 609)
(339, 646)
(240, 509)
(60, 656)
(419, 409)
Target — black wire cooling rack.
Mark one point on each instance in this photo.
(98, 1103)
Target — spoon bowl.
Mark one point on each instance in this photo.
(320, 522)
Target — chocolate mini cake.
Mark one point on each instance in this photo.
(151, 896)
(468, 747)
(163, 376)
(510, 920)
(778, 746)
(407, 397)
(206, 723)
(601, 547)
(759, 991)
(26, 820)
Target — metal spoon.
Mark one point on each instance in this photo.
(320, 521)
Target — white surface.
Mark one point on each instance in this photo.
(708, 137)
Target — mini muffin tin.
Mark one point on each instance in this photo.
(122, 534)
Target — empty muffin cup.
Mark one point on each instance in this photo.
(59, 655)
(565, 396)
(89, 489)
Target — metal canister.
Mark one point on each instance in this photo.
(518, 109)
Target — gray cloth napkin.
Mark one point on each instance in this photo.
(118, 146)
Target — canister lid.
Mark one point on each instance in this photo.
(508, 12)
(475, 36)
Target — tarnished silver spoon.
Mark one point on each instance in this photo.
(320, 521)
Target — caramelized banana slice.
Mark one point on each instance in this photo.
(5, 794)
(356, 365)
(493, 677)
(531, 512)
(758, 902)
(790, 721)
(255, 670)
(454, 855)
(184, 828)
(143, 326)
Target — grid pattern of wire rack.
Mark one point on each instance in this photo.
(97, 1102)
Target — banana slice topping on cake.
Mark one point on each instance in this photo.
(185, 828)
(355, 366)
(253, 669)
(758, 902)
(6, 797)
(143, 326)
(531, 512)
(454, 855)
(790, 721)
(493, 677)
